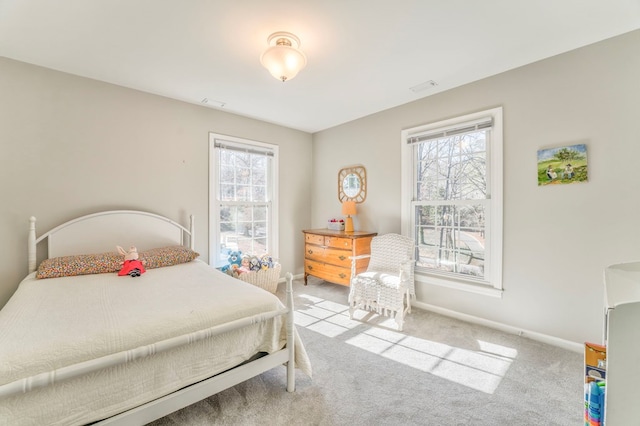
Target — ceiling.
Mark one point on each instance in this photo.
(363, 56)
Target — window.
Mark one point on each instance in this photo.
(452, 200)
(242, 197)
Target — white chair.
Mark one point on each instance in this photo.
(388, 281)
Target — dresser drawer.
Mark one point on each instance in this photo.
(328, 255)
(314, 239)
(332, 273)
(337, 242)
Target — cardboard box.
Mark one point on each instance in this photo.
(595, 361)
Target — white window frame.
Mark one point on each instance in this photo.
(491, 285)
(214, 194)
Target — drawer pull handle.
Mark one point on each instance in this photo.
(310, 251)
(309, 267)
(343, 276)
(342, 257)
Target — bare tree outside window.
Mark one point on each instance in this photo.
(452, 180)
(451, 202)
(244, 207)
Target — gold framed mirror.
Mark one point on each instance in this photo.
(352, 184)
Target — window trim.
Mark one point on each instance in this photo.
(232, 142)
(494, 185)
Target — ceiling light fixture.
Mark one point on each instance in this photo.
(283, 58)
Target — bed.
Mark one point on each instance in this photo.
(87, 346)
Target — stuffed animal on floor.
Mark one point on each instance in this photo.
(131, 265)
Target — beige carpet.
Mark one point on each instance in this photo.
(438, 371)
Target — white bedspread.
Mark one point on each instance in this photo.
(56, 323)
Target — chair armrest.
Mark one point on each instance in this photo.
(361, 256)
(353, 262)
(408, 262)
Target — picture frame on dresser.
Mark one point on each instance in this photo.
(334, 255)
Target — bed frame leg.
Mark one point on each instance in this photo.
(291, 369)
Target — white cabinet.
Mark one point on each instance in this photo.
(622, 338)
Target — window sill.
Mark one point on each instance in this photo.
(483, 289)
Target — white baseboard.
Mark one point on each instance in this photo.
(544, 338)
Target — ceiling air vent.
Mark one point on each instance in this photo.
(212, 103)
(423, 86)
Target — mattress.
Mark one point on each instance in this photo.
(60, 323)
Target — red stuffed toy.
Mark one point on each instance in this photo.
(131, 265)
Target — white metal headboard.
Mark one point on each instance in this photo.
(103, 231)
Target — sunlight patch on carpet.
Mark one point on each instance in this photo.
(477, 370)
(482, 369)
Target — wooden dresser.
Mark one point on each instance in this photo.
(327, 254)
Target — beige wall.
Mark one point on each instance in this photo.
(557, 240)
(71, 146)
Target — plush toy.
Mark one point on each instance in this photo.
(235, 262)
(254, 263)
(266, 261)
(131, 265)
(245, 265)
(235, 258)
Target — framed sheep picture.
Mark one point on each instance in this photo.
(562, 165)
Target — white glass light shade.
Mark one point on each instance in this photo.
(283, 59)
